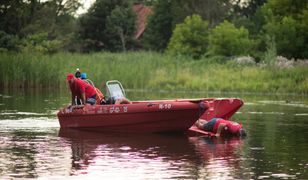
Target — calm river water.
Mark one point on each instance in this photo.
(33, 146)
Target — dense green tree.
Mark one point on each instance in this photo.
(145, 2)
(159, 26)
(168, 13)
(40, 42)
(120, 27)
(213, 11)
(190, 38)
(227, 40)
(247, 8)
(8, 42)
(17, 15)
(286, 22)
(25, 19)
(93, 25)
(13, 15)
(63, 7)
(248, 14)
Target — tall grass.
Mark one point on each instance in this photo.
(148, 70)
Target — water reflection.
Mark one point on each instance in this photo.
(221, 157)
(31, 147)
(28, 153)
(152, 156)
(137, 155)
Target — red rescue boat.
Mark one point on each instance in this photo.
(145, 116)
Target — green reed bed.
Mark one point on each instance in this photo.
(149, 70)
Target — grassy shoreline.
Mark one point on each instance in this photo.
(149, 70)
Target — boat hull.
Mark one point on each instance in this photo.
(164, 116)
(148, 116)
(223, 108)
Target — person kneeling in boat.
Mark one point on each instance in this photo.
(99, 95)
(83, 91)
(84, 77)
(220, 127)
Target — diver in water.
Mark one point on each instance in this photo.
(220, 126)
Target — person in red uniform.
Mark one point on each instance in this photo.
(220, 126)
(83, 91)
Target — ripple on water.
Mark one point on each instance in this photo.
(283, 176)
(302, 114)
(266, 113)
(12, 112)
(32, 123)
(285, 103)
(257, 148)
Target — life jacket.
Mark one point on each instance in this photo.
(99, 96)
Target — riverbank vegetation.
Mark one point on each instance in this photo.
(155, 71)
(212, 45)
(192, 28)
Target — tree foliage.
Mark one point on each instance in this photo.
(213, 11)
(39, 42)
(8, 42)
(247, 8)
(159, 27)
(95, 25)
(49, 26)
(168, 13)
(13, 16)
(248, 14)
(24, 19)
(286, 22)
(190, 38)
(225, 39)
(121, 28)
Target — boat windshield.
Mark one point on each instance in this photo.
(115, 89)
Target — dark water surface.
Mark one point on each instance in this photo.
(33, 146)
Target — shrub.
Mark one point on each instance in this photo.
(40, 43)
(190, 38)
(271, 51)
(287, 21)
(227, 40)
(8, 42)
